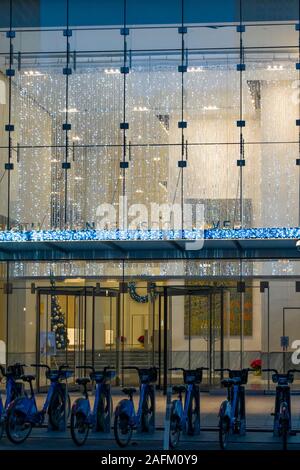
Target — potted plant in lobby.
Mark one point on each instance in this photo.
(256, 365)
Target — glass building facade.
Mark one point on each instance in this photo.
(170, 113)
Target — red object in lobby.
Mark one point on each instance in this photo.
(141, 339)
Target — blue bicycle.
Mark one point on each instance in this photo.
(23, 414)
(126, 419)
(82, 417)
(282, 426)
(232, 413)
(186, 417)
(13, 388)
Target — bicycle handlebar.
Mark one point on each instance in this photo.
(40, 366)
(233, 370)
(63, 366)
(290, 371)
(108, 368)
(92, 368)
(181, 368)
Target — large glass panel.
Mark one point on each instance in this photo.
(281, 328)
(3, 315)
(271, 184)
(21, 323)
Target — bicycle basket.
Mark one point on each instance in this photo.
(148, 375)
(52, 375)
(110, 374)
(242, 374)
(65, 374)
(16, 370)
(192, 376)
(282, 379)
(97, 377)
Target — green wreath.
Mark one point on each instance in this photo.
(142, 299)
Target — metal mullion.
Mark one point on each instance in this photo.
(242, 155)
(67, 115)
(9, 156)
(182, 113)
(299, 115)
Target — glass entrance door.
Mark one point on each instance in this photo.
(61, 330)
(77, 326)
(199, 329)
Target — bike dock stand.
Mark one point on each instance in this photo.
(152, 420)
(166, 443)
(242, 411)
(64, 421)
(107, 422)
(197, 422)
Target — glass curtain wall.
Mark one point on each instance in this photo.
(189, 113)
(203, 114)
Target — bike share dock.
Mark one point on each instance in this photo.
(259, 428)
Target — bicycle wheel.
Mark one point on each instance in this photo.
(174, 427)
(2, 424)
(79, 428)
(122, 429)
(56, 410)
(17, 429)
(193, 416)
(147, 413)
(224, 431)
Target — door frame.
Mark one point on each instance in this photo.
(284, 309)
(82, 292)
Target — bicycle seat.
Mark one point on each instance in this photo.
(230, 382)
(129, 390)
(178, 389)
(83, 381)
(28, 378)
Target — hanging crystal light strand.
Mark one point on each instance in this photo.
(182, 124)
(298, 120)
(9, 127)
(66, 127)
(124, 126)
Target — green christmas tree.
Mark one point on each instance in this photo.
(58, 322)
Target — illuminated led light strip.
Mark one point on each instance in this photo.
(149, 235)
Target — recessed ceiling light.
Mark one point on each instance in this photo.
(69, 110)
(112, 71)
(33, 73)
(140, 108)
(210, 108)
(195, 69)
(275, 67)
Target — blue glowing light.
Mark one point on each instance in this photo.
(148, 235)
